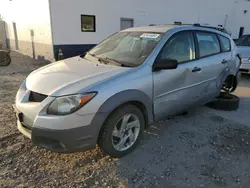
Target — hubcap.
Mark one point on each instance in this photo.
(125, 132)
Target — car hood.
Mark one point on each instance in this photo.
(244, 51)
(69, 76)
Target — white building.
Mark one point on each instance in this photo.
(40, 27)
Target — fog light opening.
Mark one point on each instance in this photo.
(62, 145)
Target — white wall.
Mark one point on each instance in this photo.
(29, 15)
(66, 22)
(237, 18)
(2, 34)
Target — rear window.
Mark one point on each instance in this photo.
(225, 43)
(208, 43)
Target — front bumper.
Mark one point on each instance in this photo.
(61, 141)
(63, 134)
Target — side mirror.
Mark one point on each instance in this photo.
(165, 64)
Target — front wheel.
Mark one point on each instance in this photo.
(122, 131)
(6, 61)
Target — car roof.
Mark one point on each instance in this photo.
(154, 28)
(166, 27)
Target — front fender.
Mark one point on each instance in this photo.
(117, 100)
(128, 96)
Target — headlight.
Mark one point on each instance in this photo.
(21, 92)
(69, 104)
(245, 59)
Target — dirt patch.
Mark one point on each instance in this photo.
(233, 141)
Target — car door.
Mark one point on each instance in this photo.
(213, 65)
(174, 90)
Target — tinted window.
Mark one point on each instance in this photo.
(225, 43)
(243, 41)
(180, 47)
(208, 43)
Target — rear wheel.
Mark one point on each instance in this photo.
(6, 61)
(122, 131)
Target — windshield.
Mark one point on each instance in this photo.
(127, 48)
(243, 41)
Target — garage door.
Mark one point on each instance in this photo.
(127, 23)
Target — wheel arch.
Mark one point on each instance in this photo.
(138, 104)
(231, 81)
(134, 97)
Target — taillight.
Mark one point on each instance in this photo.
(240, 58)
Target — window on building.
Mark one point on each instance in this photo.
(180, 47)
(208, 43)
(88, 23)
(225, 43)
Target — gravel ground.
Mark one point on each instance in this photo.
(204, 148)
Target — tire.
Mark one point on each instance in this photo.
(106, 138)
(226, 102)
(7, 61)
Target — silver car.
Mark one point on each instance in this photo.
(109, 95)
(243, 44)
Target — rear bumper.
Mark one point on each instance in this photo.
(245, 67)
(61, 141)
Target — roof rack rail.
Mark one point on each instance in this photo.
(178, 23)
(159, 24)
(218, 27)
(197, 24)
(205, 25)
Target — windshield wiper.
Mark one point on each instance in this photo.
(83, 55)
(106, 60)
(102, 59)
(114, 61)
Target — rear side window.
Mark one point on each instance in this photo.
(208, 43)
(225, 43)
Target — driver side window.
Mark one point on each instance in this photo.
(180, 47)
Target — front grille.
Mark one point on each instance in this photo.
(26, 127)
(36, 97)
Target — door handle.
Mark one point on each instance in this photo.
(224, 61)
(196, 69)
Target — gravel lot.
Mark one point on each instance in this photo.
(205, 148)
